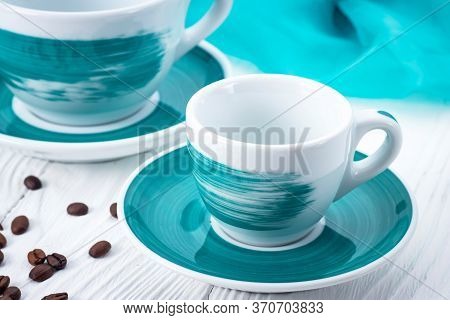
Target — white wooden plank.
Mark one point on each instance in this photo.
(125, 273)
(13, 170)
(424, 164)
(128, 274)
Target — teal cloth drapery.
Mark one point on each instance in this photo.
(320, 39)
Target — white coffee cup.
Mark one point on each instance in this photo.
(90, 62)
(270, 190)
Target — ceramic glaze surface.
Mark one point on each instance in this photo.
(81, 76)
(193, 71)
(164, 211)
(94, 62)
(247, 200)
(269, 193)
(74, 6)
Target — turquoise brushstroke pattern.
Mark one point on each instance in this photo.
(192, 72)
(163, 209)
(387, 114)
(319, 39)
(79, 71)
(249, 200)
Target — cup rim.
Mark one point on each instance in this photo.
(192, 119)
(6, 6)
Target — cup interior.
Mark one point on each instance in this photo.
(75, 5)
(270, 109)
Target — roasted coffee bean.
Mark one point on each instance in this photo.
(57, 296)
(113, 210)
(2, 256)
(3, 241)
(35, 257)
(100, 249)
(57, 261)
(13, 293)
(32, 183)
(5, 298)
(19, 225)
(4, 283)
(77, 209)
(41, 272)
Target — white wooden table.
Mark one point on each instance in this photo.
(127, 273)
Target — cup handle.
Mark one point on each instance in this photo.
(358, 172)
(204, 27)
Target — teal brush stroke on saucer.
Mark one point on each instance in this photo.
(363, 48)
(189, 74)
(248, 200)
(79, 71)
(164, 210)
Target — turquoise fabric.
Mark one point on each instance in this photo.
(321, 38)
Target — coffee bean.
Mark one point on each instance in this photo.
(4, 283)
(13, 293)
(32, 183)
(113, 210)
(19, 225)
(100, 249)
(41, 272)
(3, 241)
(57, 296)
(77, 209)
(57, 261)
(5, 298)
(2, 256)
(35, 257)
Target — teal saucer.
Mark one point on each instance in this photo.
(165, 217)
(201, 66)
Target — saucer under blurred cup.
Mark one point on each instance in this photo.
(272, 152)
(90, 62)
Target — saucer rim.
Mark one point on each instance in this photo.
(102, 150)
(261, 287)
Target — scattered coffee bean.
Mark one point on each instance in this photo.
(57, 261)
(5, 298)
(113, 210)
(13, 293)
(32, 183)
(41, 272)
(57, 296)
(3, 241)
(100, 249)
(4, 283)
(19, 225)
(2, 256)
(35, 257)
(77, 209)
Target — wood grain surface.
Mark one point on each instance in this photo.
(421, 271)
